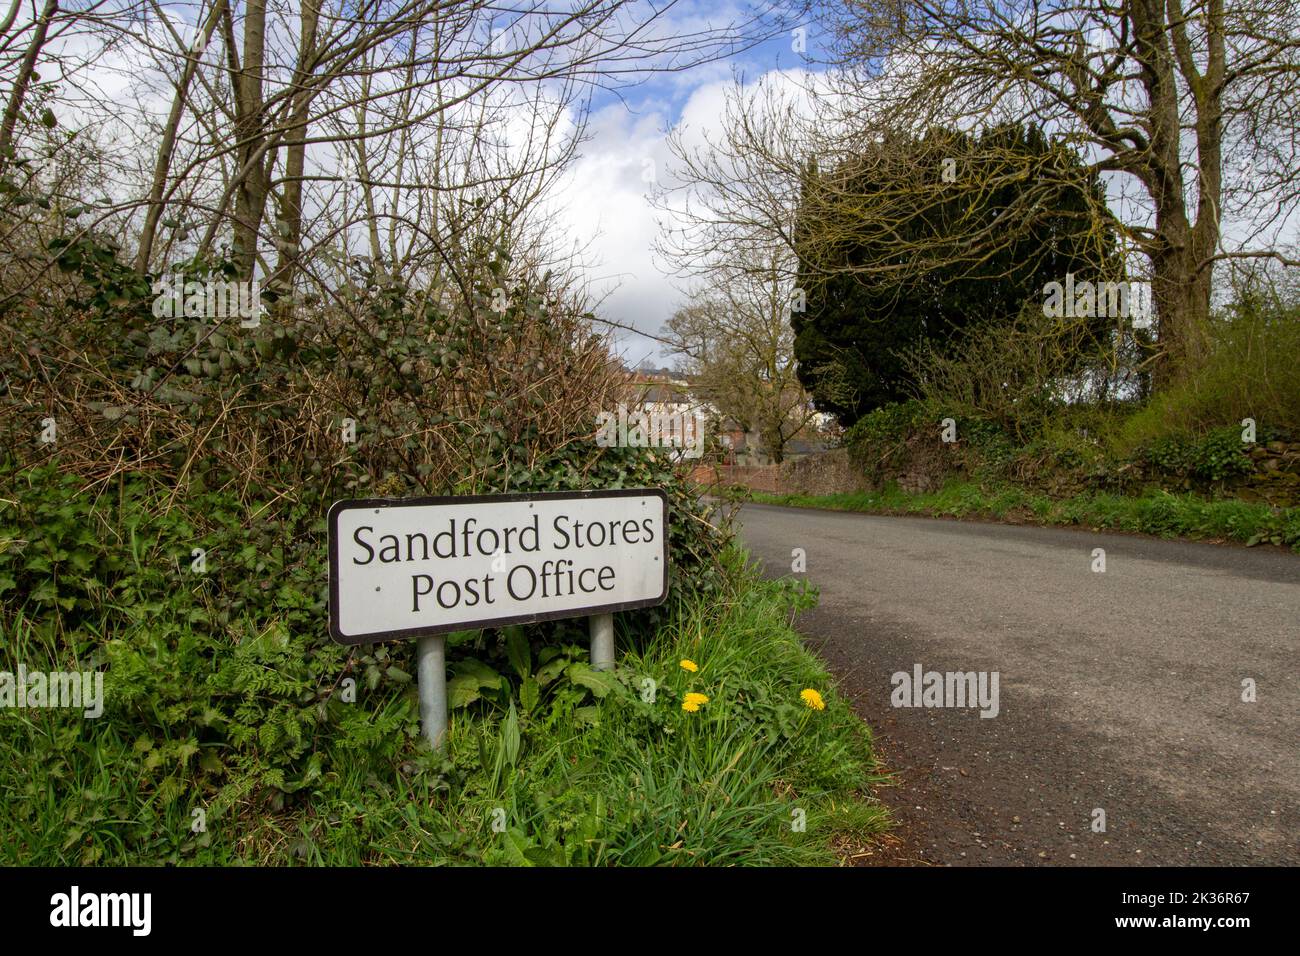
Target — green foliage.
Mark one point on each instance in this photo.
(1157, 512)
(1218, 455)
(890, 424)
(224, 695)
(234, 730)
(1073, 456)
(1015, 375)
(884, 441)
(1252, 372)
(460, 399)
(447, 396)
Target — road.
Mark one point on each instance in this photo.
(1119, 690)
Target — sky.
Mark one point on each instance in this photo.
(604, 199)
(603, 203)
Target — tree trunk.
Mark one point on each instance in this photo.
(1181, 276)
(1180, 294)
(24, 79)
(289, 229)
(250, 195)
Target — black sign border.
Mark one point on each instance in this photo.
(351, 504)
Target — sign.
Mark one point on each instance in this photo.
(401, 568)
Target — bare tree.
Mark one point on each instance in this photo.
(1190, 108)
(258, 118)
(737, 342)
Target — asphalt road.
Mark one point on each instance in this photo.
(1118, 691)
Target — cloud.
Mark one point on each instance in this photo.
(603, 203)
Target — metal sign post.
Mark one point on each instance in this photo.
(431, 679)
(423, 567)
(601, 627)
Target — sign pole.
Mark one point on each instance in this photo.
(431, 678)
(601, 627)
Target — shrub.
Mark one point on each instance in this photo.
(889, 439)
(1252, 372)
(1014, 375)
(887, 425)
(225, 686)
(224, 694)
(448, 394)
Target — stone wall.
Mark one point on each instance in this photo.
(823, 474)
(924, 465)
(1276, 475)
(828, 473)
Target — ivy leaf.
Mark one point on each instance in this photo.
(48, 119)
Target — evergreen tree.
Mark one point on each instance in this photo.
(902, 247)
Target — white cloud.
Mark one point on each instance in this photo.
(603, 204)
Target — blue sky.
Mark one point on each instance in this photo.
(605, 202)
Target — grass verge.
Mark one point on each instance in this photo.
(225, 748)
(1160, 513)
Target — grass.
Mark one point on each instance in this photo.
(1251, 373)
(1160, 513)
(615, 773)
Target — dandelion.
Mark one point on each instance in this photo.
(691, 703)
(689, 665)
(813, 699)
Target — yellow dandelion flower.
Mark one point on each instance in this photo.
(689, 665)
(691, 702)
(812, 699)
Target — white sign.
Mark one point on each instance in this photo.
(406, 567)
